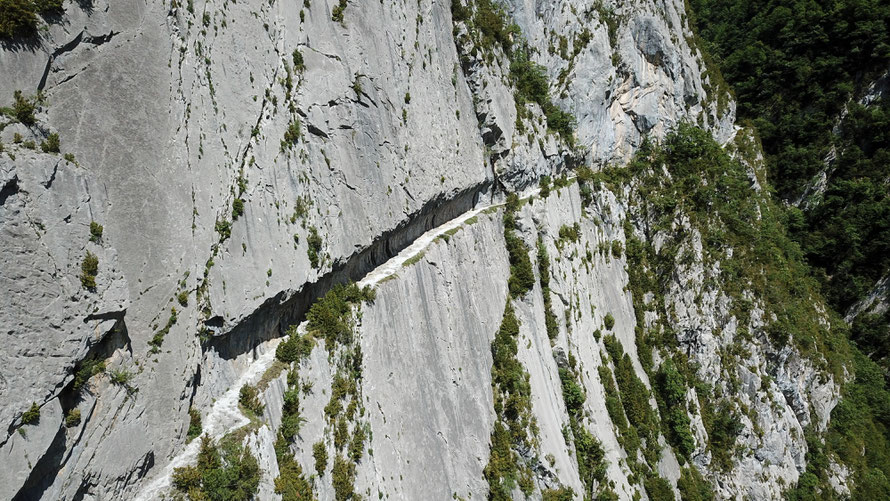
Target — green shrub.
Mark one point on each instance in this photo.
(69, 157)
(183, 298)
(32, 415)
(343, 475)
(291, 484)
(723, 427)
(249, 398)
(17, 18)
(693, 487)
(121, 377)
(195, 428)
(313, 250)
(544, 185)
(96, 230)
(158, 338)
(297, 56)
(23, 108)
(320, 453)
(50, 144)
(609, 321)
(512, 405)
(224, 228)
(550, 321)
(72, 418)
(85, 370)
(291, 135)
(522, 276)
(561, 494)
(357, 445)
(337, 12)
(291, 421)
(659, 489)
(331, 316)
(570, 233)
(572, 393)
(617, 249)
(531, 84)
(89, 268)
(237, 208)
(294, 348)
(672, 397)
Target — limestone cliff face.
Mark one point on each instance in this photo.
(243, 157)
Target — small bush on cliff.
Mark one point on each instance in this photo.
(295, 348)
(51, 144)
(23, 108)
(89, 268)
(237, 208)
(72, 418)
(320, 453)
(96, 230)
(315, 242)
(32, 415)
(609, 321)
(337, 12)
(195, 428)
(248, 397)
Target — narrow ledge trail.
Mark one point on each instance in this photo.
(225, 417)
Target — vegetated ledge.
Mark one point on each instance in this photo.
(288, 307)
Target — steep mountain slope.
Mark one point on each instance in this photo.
(222, 169)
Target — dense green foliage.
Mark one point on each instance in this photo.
(671, 393)
(32, 415)
(659, 489)
(693, 487)
(23, 108)
(320, 454)
(291, 483)
(249, 400)
(86, 369)
(195, 428)
(634, 397)
(237, 208)
(295, 347)
(89, 268)
(51, 144)
(544, 275)
(793, 65)
(96, 230)
(846, 237)
(331, 316)
(522, 275)
(17, 17)
(224, 472)
(72, 418)
(314, 249)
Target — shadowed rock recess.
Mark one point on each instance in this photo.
(499, 250)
